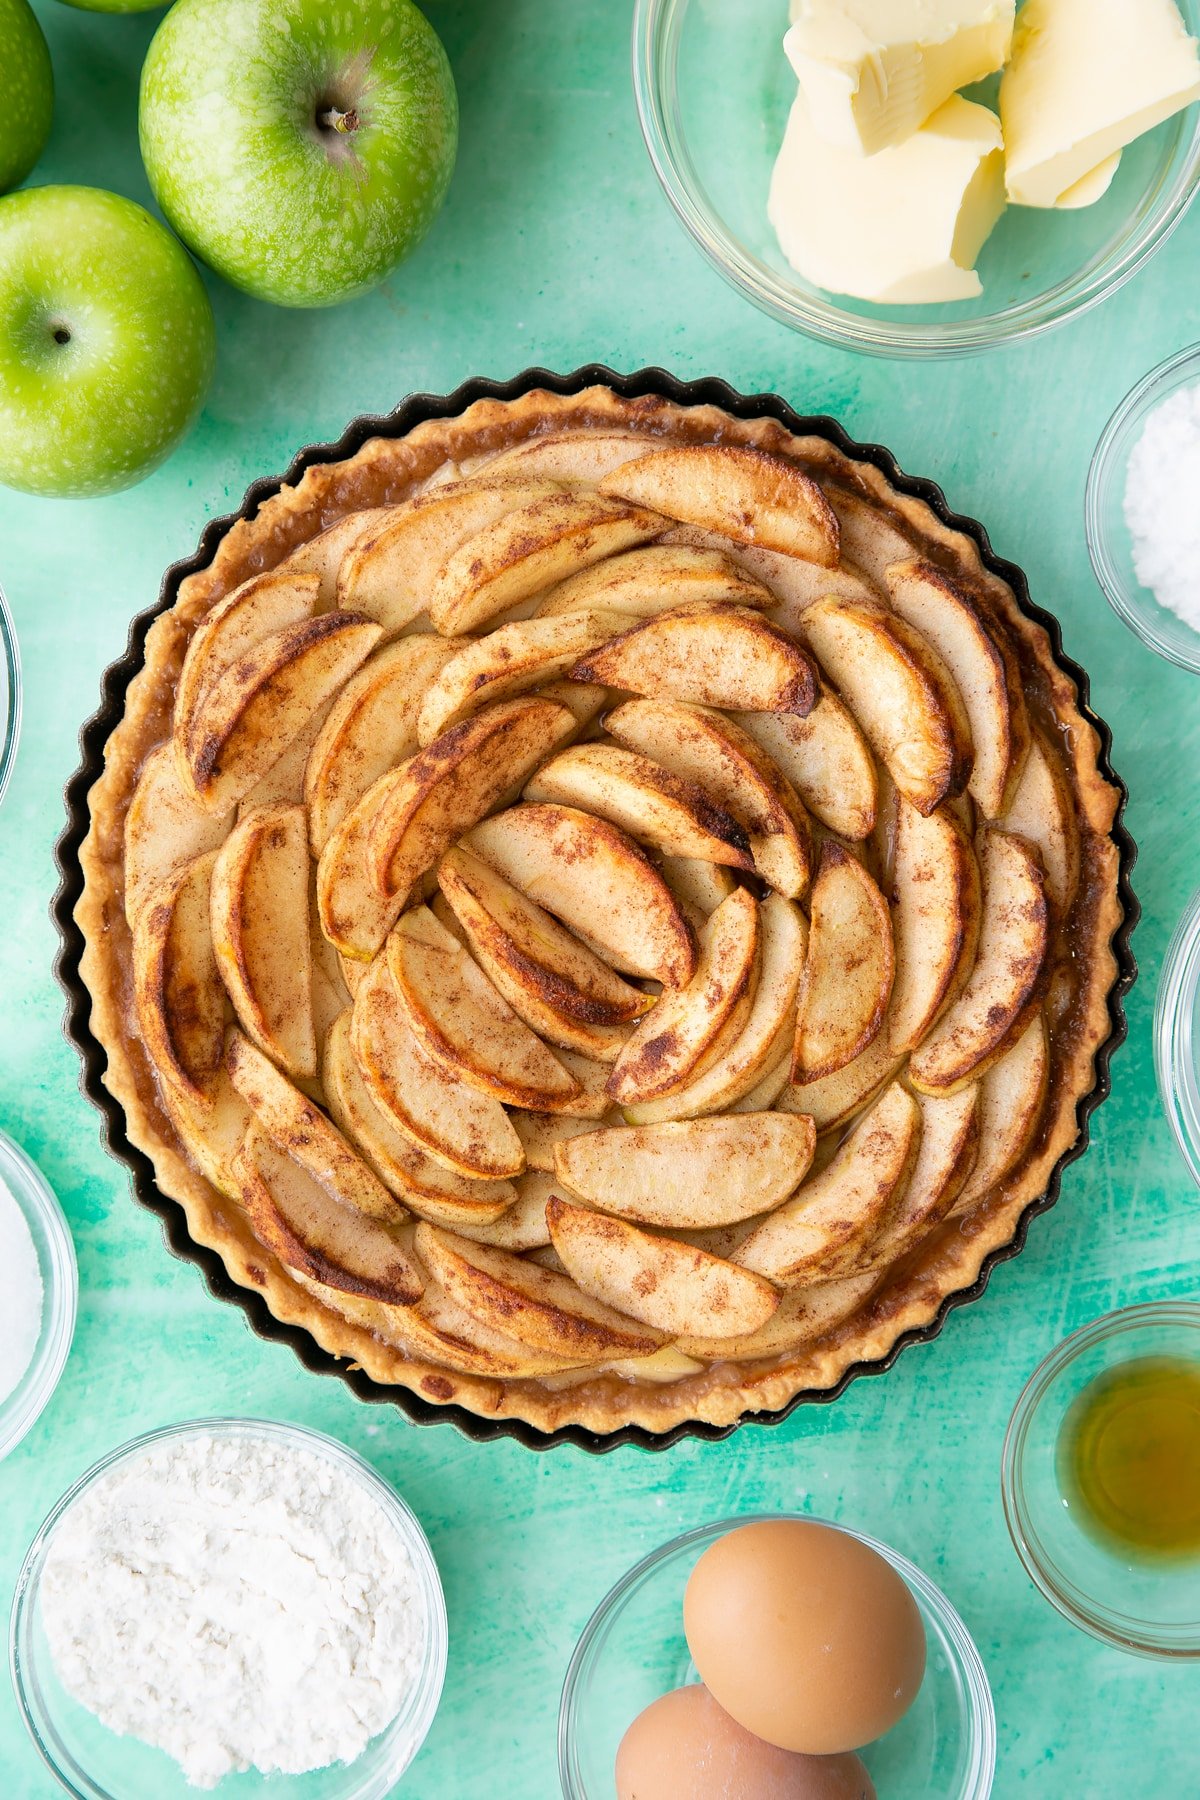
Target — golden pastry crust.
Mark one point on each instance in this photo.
(386, 471)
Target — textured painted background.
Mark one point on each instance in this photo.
(557, 247)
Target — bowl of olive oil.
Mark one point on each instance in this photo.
(1100, 1479)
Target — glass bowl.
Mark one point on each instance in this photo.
(713, 91)
(1149, 1607)
(1109, 542)
(1177, 1035)
(93, 1763)
(60, 1284)
(633, 1649)
(10, 694)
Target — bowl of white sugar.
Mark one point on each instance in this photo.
(41, 1288)
(234, 1607)
(1143, 510)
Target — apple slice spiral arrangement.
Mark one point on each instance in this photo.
(618, 968)
(298, 148)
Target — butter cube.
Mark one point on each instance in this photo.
(1086, 78)
(901, 228)
(873, 71)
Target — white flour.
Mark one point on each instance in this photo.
(21, 1314)
(1162, 504)
(238, 1603)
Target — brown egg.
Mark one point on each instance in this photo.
(684, 1747)
(808, 1638)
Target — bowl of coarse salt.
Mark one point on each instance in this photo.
(1142, 509)
(41, 1289)
(233, 1606)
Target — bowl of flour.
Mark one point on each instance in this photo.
(41, 1288)
(232, 1607)
(1142, 513)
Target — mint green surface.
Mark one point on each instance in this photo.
(557, 247)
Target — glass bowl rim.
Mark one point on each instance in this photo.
(40, 1207)
(1127, 602)
(1178, 1079)
(980, 1706)
(822, 318)
(10, 665)
(426, 1691)
(1178, 1644)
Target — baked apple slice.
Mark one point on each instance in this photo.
(1006, 982)
(725, 761)
(869, 537)
(549, 978)
(804, 1316)
(938, 906)
(304, 1133)
(509, 660)
(834, 1099)
(309, 1231)
(466, 1131)
(246, 720)
(261, 934)
(454, 782)
(699, 887)
(371, 727)
(540, 1133)
(655, 578)
(765, 1041)
(1012, 1100)
(688, 1025)
(355, 916)
(462, 1022)
(177, 989)
(390, 571)
(322, 556)
(665, 811)
(165, 828)
(665, 1284)
(827, 761)
(950, 1138)
(847, 980)
(820, 1234)
(540, 1308)
(593, 878)
(985, 670)
(723, 656)
(695, 1173)
(571, 455)
(255, 610)
(532, 547)
(426, 1187)
(745, 494)
(1043, 810)
(522, 1226)
(900, 691)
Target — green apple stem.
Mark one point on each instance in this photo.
(332, 118)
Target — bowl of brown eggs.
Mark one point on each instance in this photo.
(776, 1654)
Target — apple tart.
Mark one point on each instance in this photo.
(601, 911)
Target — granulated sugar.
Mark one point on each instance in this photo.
(24, 1298)
(1162, 504)
(237, 1601)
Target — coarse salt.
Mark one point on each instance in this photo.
(238, 1602)
(1162, 504)
(21, 1315)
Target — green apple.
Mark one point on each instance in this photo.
(26, 92)
(300, 147)
(107, 341)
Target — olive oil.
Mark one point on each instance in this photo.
(1129, 1457)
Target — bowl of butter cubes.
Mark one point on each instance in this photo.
(923, 179)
